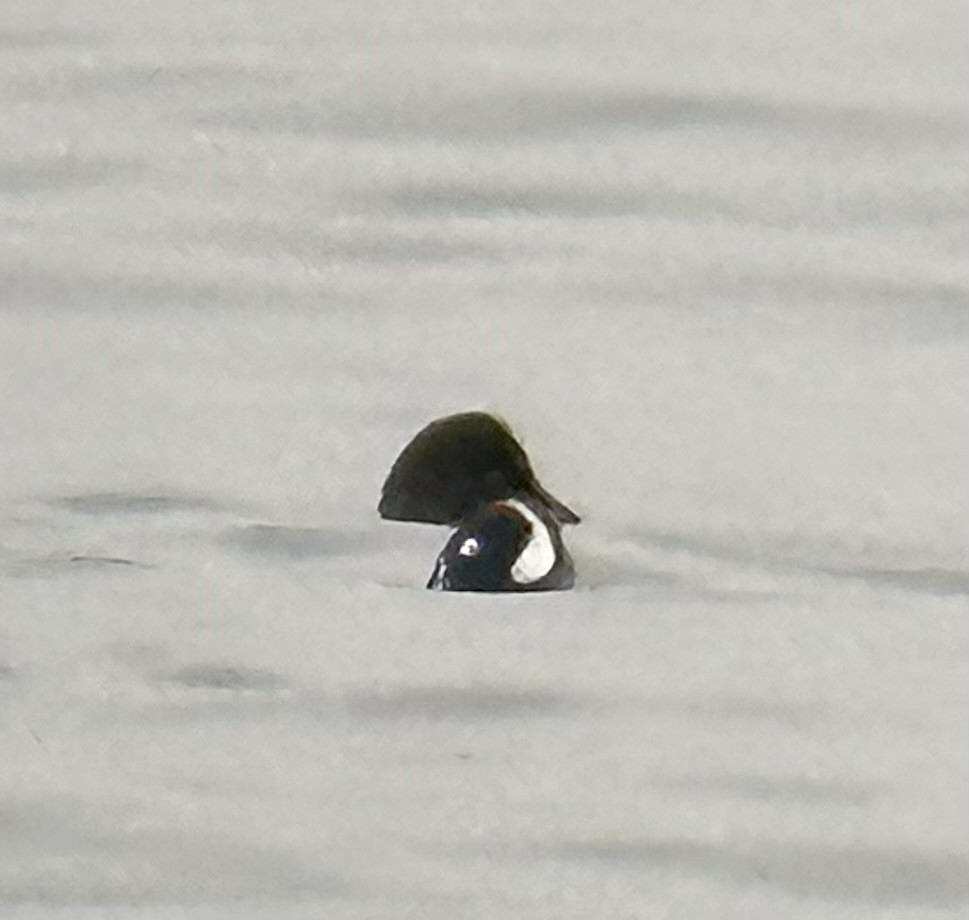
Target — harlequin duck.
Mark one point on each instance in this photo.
(470, 472)
(508, 545)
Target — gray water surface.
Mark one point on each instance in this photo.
(709, 260)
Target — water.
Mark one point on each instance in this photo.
(708, 260)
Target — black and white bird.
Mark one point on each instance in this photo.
(469, 471)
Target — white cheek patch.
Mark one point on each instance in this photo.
(537, 558)
(469, 547)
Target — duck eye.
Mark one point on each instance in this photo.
(469, 547)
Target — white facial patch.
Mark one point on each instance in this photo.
(537, 558)
(469, 547)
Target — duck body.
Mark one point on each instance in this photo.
(470, 472)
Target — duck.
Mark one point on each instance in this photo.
(469, 471)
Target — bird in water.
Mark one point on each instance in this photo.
(469, 471)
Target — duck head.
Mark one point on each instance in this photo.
(507, 545)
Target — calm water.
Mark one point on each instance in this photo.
(710, 262)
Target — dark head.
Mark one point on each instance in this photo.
(504, 546)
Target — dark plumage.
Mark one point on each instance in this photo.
(458, 463)
(469, 471)
(486, 552)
